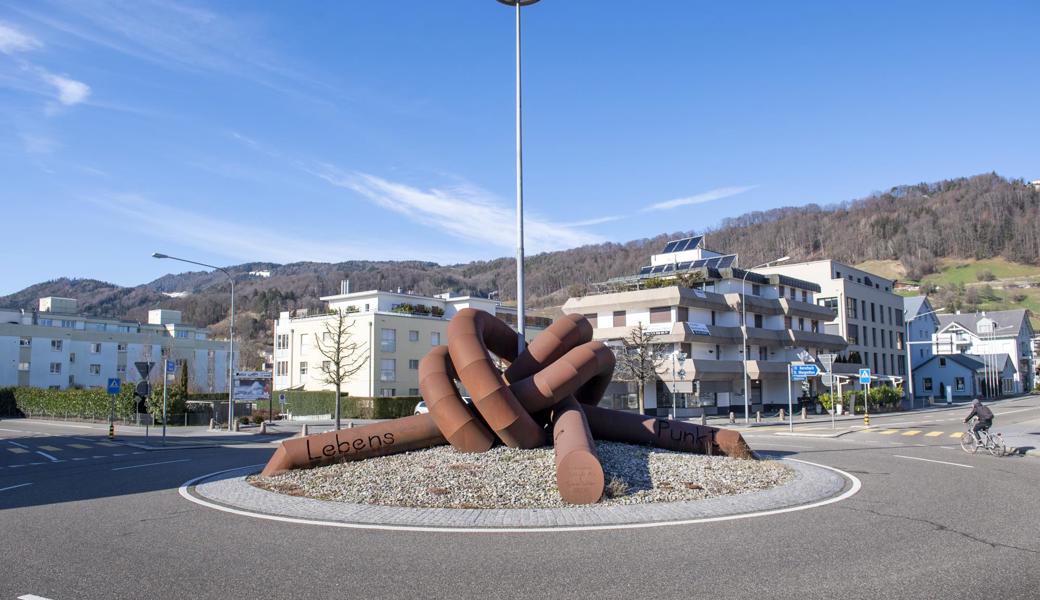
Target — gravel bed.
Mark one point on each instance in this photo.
(509, 478)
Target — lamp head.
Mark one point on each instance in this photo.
(520, 2)
(780, 260)
(159, 255)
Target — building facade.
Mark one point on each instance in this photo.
(393, 332)
(921, 324)
(870, 316)
(54, 347)
(693, 304)
(994, 333)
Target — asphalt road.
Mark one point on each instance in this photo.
(81, 519)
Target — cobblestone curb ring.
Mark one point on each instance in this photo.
(813, 486)
(548, 394)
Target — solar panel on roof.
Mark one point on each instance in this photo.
(684, 265)
(657, 269)
(726, 262)
(671, 246)
(683, 245)
(644, 270)
(713, 263)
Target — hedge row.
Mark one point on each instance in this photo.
(881, 396)
(74, 403)
(351, 407)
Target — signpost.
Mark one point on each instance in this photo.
(170, 368)
(113, 390)
(253, 386)
(864, 379)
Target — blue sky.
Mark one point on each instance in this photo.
(243, 131)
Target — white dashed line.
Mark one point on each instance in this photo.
(14, 487)
(32, 597)
(48, 456)
(165, 462)
(17, 444)
(941, 462)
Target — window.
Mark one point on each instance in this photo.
(782, 291)
(902, 368)
(958, 384)
(387, 392)
(326, 337)
(942, 361)
(928, 384)
(660, 314)
(805, 296)
(837, 274)
(121, 347)
(873, 335)
(815, 326)
(366, 307)
(23, 366)
(68, 324)
(788, 324)
(281, 368)
(850, 308)
(72, 357)
(899, 317)
(592, 319)
(758, 321)
(45, 322)
(619, 318)
(763, 353)
(388, 340)
(120, 369)
(882, 338)
(303, 368)
(95, 348)
(890, 321)
(413, 336)
(25, 342)
(326, 366)
(56, 368)
(891, 337)
(435, 338)
(413, 363)
(718, 352)
(852, 334)
(56, 345)
(281, 341)
(388, 369)
(413, 391)
(863, 308)
(712, 317)
(686, 348)
(682, 314)
(756, 290)
(94, 369)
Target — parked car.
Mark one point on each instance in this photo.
(420, 408)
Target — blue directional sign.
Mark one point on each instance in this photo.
(171, 367)
(803, 371)
(113, 385)
(864, 376)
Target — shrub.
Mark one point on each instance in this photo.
(8, 406)
(243, 420)
(985, 275)
(1019, 297)
(77, 403)
(258, 418)
(351, 407)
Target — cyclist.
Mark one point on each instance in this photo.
(984, 415)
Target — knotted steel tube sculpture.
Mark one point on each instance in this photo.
(548, 394)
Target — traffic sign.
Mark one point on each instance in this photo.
(113, 385)
(827, 360)
(803, 371)
(144, 368)
(796, 377)
(864, 376)
(827, 379)
(171, 367)
(281, 398)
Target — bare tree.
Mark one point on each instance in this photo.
(343, 356)
(638, 361)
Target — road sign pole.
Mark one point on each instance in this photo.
(790, 400)
(166, 376)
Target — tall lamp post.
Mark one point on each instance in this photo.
(743, 328)
(909, 353)
(520, 318)
(231, 334)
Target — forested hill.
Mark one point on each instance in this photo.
(976, 217)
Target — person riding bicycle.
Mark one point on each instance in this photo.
(984, 415)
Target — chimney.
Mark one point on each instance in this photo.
(344, 286)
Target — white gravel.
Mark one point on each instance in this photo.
(507, 478)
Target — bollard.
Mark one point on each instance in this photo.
(237, 425)
(781, 419)
(350, 424)
(111, 431)
(704, 419)
(303, 430)
(866, 420)
(263, 428)
(732, 418)
(758, 416)
(805, 414)
(212, 424)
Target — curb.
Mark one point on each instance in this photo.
(836, 434)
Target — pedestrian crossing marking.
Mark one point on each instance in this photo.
(50, 448)
(79, 446)
(912, 432)
(109, 444)
(17, 450)
(888, 431)
(933, 434)
(956, 435)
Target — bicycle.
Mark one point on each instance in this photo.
(993, 442)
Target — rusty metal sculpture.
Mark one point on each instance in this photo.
(548, 394)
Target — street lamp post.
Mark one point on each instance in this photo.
(520, 317)
(681, 357)
(231, 334)
(743, 328)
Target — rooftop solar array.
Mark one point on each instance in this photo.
(684, 244)
(716, 262)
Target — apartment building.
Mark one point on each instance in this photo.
(55, 347)
(870, 315)
(990, 337)
(922, 323)
(690, 298)
(394, 330)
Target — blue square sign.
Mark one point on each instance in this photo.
(864, 376)
(113, 385)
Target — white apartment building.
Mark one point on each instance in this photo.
(985, 335)
(400, 327)
(54, 347)
(922, 322)
(703, 321)
(870, 315)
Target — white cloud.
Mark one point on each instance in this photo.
(70, 91)
(39, 144)
(595, 221)
(464, 211)
(12, 40)
(237, 239)
(716, 194)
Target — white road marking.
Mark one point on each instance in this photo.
(14, 430)
(852, 491)
(165, 462)
(32, 597)
(48, 456)
(14, 487)
(941, 462)
(17, 444)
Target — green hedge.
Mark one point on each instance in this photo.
(351, 407)
(73, 403)
(880, 396)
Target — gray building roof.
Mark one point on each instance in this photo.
(1015, 320)
(913, 305)
(961, 359)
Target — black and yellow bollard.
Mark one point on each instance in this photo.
(866, 419)
(111, 431)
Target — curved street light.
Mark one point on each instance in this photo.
(743, 328)
(231, 334)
